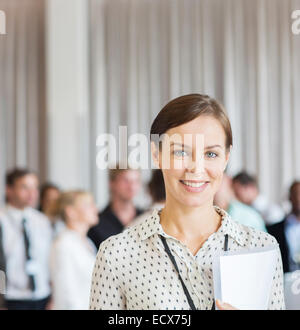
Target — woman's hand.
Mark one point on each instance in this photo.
(224, 306)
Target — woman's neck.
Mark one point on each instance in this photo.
(80, 228)
(49, 215)
(191, 225)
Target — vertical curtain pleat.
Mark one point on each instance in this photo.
(98, 92)
(22, 97)
(295, 81)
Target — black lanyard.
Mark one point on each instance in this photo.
(186, 291)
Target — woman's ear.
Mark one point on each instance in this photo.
(227, 156)
(155, 154)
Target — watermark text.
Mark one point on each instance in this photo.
(168, 151)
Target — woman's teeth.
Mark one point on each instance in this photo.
(193, 184)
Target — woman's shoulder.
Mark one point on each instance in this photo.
(130, 238)
(247, 236)
(127, 238)
(254, 237)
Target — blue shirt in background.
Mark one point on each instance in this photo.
(292, 234)
(246, 215)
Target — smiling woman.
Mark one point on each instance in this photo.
(165, 262)
(194, 167)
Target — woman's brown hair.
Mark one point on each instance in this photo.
(184, 109)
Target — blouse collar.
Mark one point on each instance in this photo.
(152, 226)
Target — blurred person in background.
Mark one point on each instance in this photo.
(2, 267)
(26, 235)
(246, 190)
(287, 232)
(240, 212)
(2, 257)
(49, 194)
(157, 191)
(124, 185)
(73, 254)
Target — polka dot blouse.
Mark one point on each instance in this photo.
(133, 271)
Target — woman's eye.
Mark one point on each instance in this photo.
(180, 153)
(211, 154)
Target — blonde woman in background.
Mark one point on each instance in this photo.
(73, 254)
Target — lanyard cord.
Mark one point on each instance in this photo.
(186, 291)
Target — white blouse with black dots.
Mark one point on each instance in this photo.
(133, 271)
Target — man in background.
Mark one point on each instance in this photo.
(26, 240)
(287, 232)
(246, 190)
(2, 268)
(239, 212)
(124, 185)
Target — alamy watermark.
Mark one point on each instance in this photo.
(296, 22)
(2, 22)
(171, 151)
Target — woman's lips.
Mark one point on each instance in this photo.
(194, 186)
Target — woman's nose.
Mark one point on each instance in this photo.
(196, 163)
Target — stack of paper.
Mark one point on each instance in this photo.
(244, 279)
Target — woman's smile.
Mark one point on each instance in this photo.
(194, 186)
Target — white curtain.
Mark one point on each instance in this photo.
(22, 98)
(146, 52)
(142, 53)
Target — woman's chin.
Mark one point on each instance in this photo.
(192, 202)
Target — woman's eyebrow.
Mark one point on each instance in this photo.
(214, 146)
(184, 146)
(179, 144)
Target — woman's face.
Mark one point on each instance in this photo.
(49, 201)
(198, 158)
(85, 210)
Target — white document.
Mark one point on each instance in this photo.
(244, 279)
